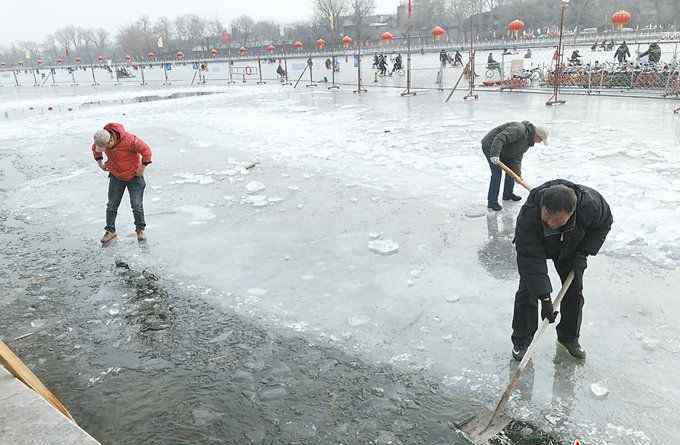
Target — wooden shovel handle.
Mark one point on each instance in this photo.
(19, 370)
(514, 175)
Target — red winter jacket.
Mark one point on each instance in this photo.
(123, 160)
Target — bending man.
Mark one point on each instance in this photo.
(507, 144)
(566, 223)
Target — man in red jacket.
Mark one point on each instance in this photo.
(126, 158)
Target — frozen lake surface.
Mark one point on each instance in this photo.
(364, 225)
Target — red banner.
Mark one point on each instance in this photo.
(410, 8)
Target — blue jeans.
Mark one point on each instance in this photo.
(495, 183)
(116, 190)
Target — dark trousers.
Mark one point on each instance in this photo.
(495, 183)
(135, 189)
(525, 318)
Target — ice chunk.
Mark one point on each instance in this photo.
(257, 201)
(114, 311)
(358, 320)
(599, 390)
(254, 187)
(649, 343)
(273, 394)
(452, 299)
(257, 291)
(190, 178)
(375, 235)
(38, 323)
(383, 247)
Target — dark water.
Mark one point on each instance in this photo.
(139, 361)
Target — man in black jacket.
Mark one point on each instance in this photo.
(508, 143)
(566, 223)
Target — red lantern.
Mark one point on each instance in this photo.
(320, 44)
(621, 18)
(78, 60)
(214, 52)
(387, 37)
(128, 58)
(151, 55)
(179, 55)
(346, 41)
(438, 32)
(226, 37)
(100, 59)
(60, 61)
(243, 51)
(270, 49)
(515, 27)
(298, 45)
(39, 61)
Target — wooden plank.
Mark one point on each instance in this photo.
(19, 370)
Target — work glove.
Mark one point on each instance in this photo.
(495, 160)
(547, 309)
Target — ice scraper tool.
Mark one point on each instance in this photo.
(479, 430)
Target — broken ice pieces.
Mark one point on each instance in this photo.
(254, 187)
(599, 390)
(190, 178)
(358, 320)
(383, 247)
(257, 201)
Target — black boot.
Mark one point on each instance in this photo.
(574, 348)
(495, 207)
(512, 197)
(518, 353)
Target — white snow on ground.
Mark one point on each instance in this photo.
(352, 170)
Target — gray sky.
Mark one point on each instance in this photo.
(33, 19)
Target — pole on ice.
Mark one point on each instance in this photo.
(284, 79)
(94, 79)
(408, 91)
(555, 100)
(259, 69)
(471, 95)
(230, 64)
(360, 89)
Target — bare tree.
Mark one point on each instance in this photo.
(329, 12)
(162, 28)
(242, 29)
(264, 32)
(101, 39)
(360, 10)
(197, 31)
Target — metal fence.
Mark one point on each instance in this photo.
(514, 71)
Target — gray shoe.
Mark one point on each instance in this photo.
(518, 354)
(574, 349)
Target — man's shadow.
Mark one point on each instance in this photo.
(498, 255)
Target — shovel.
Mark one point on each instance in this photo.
(19, 370)
(514, 175)
(482, 428)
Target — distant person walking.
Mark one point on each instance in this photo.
(127, 157)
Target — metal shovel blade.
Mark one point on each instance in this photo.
(479, 431)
